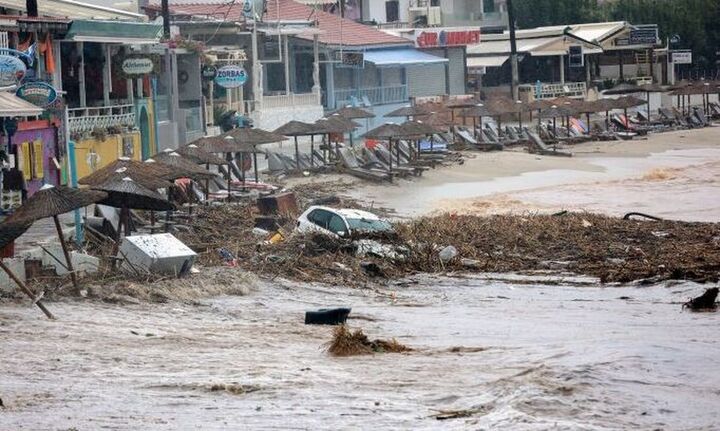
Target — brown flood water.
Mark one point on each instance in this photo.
(525, 356)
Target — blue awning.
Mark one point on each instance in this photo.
(401, 57)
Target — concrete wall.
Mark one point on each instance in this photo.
(167, 135)
(272, 118)
(107, 151)
(375, 10)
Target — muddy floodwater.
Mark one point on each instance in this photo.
(520, 356)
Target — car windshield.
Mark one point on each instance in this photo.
(368, 225)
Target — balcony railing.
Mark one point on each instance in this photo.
(375, 95)
(88, 118)
(289, 100)
(552, 91)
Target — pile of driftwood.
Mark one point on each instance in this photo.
(346, 342)
(612, 249)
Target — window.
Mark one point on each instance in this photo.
(392, 11)
(320, 218)
(337, 225)
(31, 154)
(366, 225)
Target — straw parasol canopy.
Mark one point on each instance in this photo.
(217, 144)
(10, 230)
(353, 113)
(52, 201)
(555, 112)
(198, 155)
(182, 167)
(335, 124)
(385, 132)
(126, 193)
(409, 111)
(253, 136)
(151, 175)
(624, 88)
(629, 102)
(539, 104)
(296, 128)
(418, 128)
(477, 110)
(466, 102)
(503, 105)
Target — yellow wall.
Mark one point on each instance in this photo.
(106, 151)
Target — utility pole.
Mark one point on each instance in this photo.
(165, 11)
(513, 51)
(32, 7)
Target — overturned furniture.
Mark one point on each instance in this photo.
(158, 254)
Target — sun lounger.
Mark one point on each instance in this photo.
(352, 165)
(391, 160)
(537, 146)
(465, 136)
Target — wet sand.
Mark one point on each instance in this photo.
(609, 177)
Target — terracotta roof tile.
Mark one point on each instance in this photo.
(335, 30)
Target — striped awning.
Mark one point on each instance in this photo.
(13, 106)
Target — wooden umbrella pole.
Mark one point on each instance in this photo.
(207, 186)
(63, 244)
(255, 166)
(26, 290)
(397, 153)
(297, 154)
(312, 151)
(242, 170)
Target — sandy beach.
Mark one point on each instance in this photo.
(608, 177)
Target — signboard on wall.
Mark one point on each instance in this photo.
(12, 70)
(38, 93)
(231, 76)
(646, 34)
(432, 38)
(682, 57)
(135, 66)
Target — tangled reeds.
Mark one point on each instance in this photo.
(353, 343)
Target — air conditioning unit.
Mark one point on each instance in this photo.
(430, 16)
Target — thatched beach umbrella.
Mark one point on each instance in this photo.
(477, 111)
(503, 106)
(409, 111)
(150, 175)
(354, 113)
(386, 132)
(296, 128)
(554, 112)
(626, 89)
(459, 103)
(182, 167)
(9, 232)
(335, 125)
(126, 194)
(249, 139)
(52, 201)
(198, 155)
(415, 129)
(628, 102)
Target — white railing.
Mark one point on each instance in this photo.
(552, 91)
(375, 95)
(289, 100)
(89, 118)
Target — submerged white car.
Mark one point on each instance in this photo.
(340, 222)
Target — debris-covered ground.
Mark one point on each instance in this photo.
(611, 249)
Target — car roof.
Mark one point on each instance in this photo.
(347, 212)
